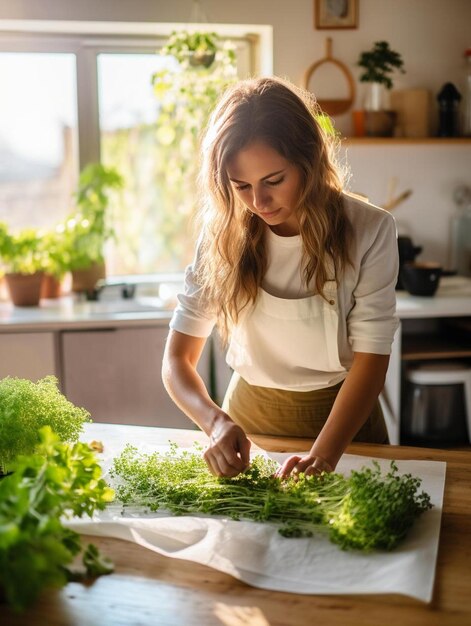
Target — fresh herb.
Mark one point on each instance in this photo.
(25, 407)
(366, 510)
(62, 480)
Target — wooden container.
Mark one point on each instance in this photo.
(413, 112)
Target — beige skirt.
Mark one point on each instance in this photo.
(265, 411)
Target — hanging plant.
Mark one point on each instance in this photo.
(195, 48)
(185, 96)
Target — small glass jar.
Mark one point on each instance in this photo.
(466, 105)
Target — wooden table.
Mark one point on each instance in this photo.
(150, 589)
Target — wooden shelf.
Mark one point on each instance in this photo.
(432, 346)
(435, 141)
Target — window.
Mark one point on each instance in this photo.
(84, 94)
(147, 238)
(38, 137)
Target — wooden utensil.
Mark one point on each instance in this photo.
(332, 106)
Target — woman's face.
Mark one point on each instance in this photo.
(268, 185)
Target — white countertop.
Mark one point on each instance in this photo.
(67, 312)
(452, 299)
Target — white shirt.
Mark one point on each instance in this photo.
(366, 299)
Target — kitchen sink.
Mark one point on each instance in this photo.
(111, 307)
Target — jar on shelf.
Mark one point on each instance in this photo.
(460, 258)
(466, 105)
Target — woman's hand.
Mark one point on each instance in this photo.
(228, 452)
(308, 464)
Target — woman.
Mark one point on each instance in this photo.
(300, 278)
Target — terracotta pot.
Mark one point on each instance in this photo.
(51, 287)
(24, 289)
(86, 279)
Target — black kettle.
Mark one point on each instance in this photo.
(407, 253)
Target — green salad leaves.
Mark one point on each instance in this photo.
(61, 480)
(25, 407)
(365, 511)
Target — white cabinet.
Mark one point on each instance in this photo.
(432, 329)
(115, 374)
(30, 355)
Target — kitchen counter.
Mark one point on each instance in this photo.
(453, 298)
(69, 313)
(147, 588)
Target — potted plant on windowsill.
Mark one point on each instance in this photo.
(378, 65)
(56, 262)
(23, 259)
(86, 231)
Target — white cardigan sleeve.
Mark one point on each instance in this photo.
(372, 321)
(192, 315)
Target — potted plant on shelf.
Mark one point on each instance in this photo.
(378, 65)
(23, 258)
(86, 231)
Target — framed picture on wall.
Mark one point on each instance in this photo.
(335, 14)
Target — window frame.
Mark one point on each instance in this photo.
(88, 39)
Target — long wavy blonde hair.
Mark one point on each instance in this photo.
(232, 241)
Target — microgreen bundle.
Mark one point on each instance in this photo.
(366, 510)
(35, 548)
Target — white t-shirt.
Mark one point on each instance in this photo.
(366, 293)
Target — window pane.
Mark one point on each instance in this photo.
(152, 231)
(38, 137)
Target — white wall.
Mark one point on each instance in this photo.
(431, 35)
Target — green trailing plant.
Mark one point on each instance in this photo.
(185, 96)
(379, 63)
(25, 407)
(87, 229)
(61, 481)
(365, 511)
(22, 252)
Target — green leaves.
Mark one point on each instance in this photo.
(77, 243)
(23, 252)
(86, 231)
(379, 63)
(95, 563)
(378, 510)
(185, 46)
(35, 548)
(25, 407)
(365, 511)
